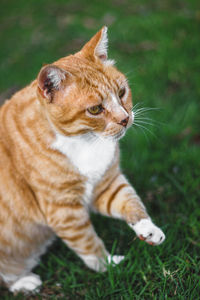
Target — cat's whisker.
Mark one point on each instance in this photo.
(141, 118)
(128, 73)
(147, 118)
(136, 105)
(143, 110)
(147, 108)
(139, 115)
(145, 128)
(135, 128)
(147, 123)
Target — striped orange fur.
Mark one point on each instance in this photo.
(59, 158)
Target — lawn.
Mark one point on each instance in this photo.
(156, 44)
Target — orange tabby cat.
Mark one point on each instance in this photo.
(59, 158)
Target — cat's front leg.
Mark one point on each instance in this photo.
(120, 200)
(72, 224)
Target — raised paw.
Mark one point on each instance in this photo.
(148, 232)
(26, 284)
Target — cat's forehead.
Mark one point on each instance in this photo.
(105, 78)
(94, 75)
(98, 85)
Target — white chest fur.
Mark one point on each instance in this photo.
(91, 156)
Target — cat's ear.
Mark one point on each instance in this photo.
(97, 47)
(101, 47)
(50, 80)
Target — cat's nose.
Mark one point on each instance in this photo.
(124, 122)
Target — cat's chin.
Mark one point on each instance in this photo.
(115, 137)
(119, 135)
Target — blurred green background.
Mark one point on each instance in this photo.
(156, 44)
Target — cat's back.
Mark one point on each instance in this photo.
(15, 106)
(14, 188)
(19, 209)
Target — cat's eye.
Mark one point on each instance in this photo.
(95, 110)
(122, 93)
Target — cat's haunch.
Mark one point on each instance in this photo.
(59, 158)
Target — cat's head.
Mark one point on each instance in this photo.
(85, 93)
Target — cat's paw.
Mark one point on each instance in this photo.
(100, 264)
(26, 284)
(115, 259)
(94, 262)
(149, 232)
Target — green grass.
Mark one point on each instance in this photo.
(156, 43)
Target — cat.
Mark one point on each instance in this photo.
(59, 159)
